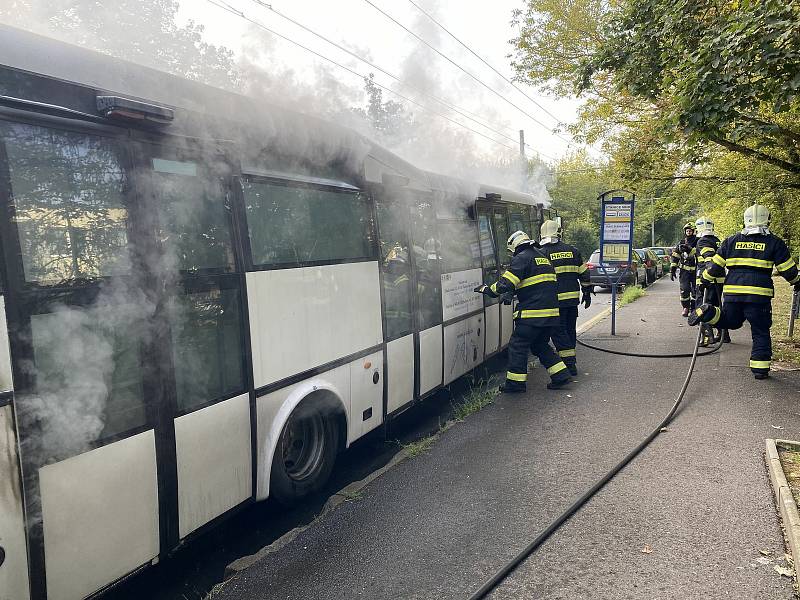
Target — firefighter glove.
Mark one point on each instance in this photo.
(587, 298)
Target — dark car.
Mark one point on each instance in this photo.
(652, 264)
(600, 274)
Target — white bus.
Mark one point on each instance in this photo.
(204, 299)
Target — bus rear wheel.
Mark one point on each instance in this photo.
(305, 453)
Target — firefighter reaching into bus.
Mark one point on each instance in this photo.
(684, 259)
(532, 278)
(749, 257)
(572, 275)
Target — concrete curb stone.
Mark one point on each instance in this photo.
(783, 495)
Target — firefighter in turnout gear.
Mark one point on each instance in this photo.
(684, 259)
(573, 288)
(749, 257)
(707, 244)
(531, 277)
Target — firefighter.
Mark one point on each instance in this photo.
(684, 260)
(532, 278)
(749, 257)
(573, 289)
(707, 244)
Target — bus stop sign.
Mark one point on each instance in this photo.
(616, 227)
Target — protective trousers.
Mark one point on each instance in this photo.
(527, 338)
(564, 336)
(759, 315)
(688, 288)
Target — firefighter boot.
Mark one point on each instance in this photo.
(685, 312)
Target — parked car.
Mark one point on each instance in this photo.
(664, 254)
(600, 274)
(652, 264)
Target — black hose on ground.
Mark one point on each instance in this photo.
(640, 355)
(498, 577)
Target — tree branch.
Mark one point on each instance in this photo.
(749, 152)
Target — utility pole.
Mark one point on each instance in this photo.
(652, 222)
(523, 161)
(522, 143)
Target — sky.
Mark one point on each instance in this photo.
(483, 26)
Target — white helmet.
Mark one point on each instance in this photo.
(756, 216)
(516, 239)
(704, 225)
(550, 229)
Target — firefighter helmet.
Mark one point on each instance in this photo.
(704, 225)
(756, 216)
(688, 225)
(550, 229)
(516, 239)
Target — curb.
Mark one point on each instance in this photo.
(584, 327)
(783, 496)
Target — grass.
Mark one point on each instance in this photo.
(784, 349)
(480, 396)
(352, 496)
(631, 294)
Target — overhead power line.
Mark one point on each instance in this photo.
(480, 58)
(459, 67)
(228, 8)
(461, 111)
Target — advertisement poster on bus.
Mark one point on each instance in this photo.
(458, 297)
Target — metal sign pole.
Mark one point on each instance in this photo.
(793, 312)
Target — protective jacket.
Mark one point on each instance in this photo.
(571, 271)
(684, 255)
(750, 260)
(532, 278)
(707, 246)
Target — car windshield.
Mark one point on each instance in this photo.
(659, 251)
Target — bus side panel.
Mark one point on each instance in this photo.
(492, 328)
(430, 359)
(14, 571)
(306, 317)
(400, 372)
(463, 347)
(506, 324)
(366, 395)
(214, 466)
(99, 516)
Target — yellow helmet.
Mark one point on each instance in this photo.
(704, 225)
(516, 239)
(756, 216)
(550, 229)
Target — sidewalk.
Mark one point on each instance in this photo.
(697, 501)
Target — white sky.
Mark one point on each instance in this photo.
(483, 25)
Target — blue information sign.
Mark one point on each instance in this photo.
(616, 228)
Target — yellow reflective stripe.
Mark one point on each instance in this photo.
(569, 269)
(493, 287)
(569, 295)
(750, 262)
(785, 266)
(559, 366)
(566, 353)
(795, 280)
(707, 250)
(708, 277)
(511, 277)
(583, 268)
(687, 267)
(537, 279)
(747, 289)
(516, 376)
(718, 260)
(760, 364)
(702, 259)
(717, 315)
(693, 251)
(536, 313)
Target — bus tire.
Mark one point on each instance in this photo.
(306, 451)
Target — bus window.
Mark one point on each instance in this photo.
(519, 220)
(67, 190)
(487, 242)
(393, 222)
(427, 251)
(292, 224)
(460, 246)
(194, 224)
(208, 346)
(501, 230)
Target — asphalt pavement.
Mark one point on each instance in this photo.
(691, 517)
